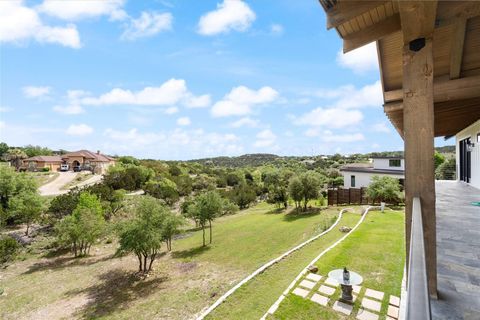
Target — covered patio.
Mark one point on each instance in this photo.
(458, 253)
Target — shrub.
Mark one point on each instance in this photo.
(8, 249)
(385, 189)
(45, 169)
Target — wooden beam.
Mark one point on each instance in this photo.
(456, 51)
(418, 22)
(417, 19)
(449, 12)
(372, 33)
(445, 90)
(345, 10)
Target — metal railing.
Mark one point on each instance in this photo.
(418, 300)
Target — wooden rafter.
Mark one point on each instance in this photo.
(371, 33)
(456, 52)
(344, 11)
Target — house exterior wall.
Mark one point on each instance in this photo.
(380, 163)
(470, 132)
(38, 165)
(70, 160)
(363, 179)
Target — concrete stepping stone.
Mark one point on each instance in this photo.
(326, 290)
(356, 289)
(395, 301)
(307, 284)
(374, 294)
(366, 315)
(301, 292)
(393, 312)
(318, 298)
(342, 307)
(314, 277)
(371, 304)
(331, 282)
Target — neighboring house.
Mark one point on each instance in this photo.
(468, 154)
(53, 163)
(358, 175)
(83, 160)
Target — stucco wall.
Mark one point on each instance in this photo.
(385, 164)
(362, 179)
(470, 132)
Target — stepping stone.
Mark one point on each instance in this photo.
(342, 307)
(326, 290)
(356, 289)
(395, 301)
(300, 292)
(331, 282)
(320, 299)
(393, 312)
(374, 294)
(366, 315)
(307, 284)
(371, 304)
(314, 277)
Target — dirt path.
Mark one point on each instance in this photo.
(92, 180)
(53, 187)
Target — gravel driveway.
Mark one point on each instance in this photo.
(53, 187)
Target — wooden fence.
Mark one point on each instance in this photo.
(347, 196)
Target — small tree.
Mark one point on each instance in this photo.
(296, 191)
(383, 189)
(144, 234)
(304, 188)
(26, 208)
(171, 227)
(15, 156)
(164, 189)
(206, 207)
(84, 226)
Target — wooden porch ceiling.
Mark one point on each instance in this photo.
(456, 50)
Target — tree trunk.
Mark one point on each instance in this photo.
(28, 227)
(210, 224)
(140, 262)
(152, 258)
(145, 263)
(203, 229)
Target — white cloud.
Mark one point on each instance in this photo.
(147, 25)
(5, 109)
(169, 93)
(276, 29)
(71, 109)
(35, 92)
(331, 118)
(198, 102)
(79, 130)
(350, 97)
(265, 138)
(330, 137)
(184, 121)
(172, 144)
(240, 100)
(381, 127)
(76, 10)
(245, 122)
(360, 60)
(19, 23)
(171, 110)
(230, 15)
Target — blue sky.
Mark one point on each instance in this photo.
(186, 79)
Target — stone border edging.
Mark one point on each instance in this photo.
(305, 270)
(268, 265)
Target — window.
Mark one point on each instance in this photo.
(352, 181)
(394, 163)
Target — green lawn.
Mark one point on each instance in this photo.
(253, 299)
(184, 281)
(376, 250)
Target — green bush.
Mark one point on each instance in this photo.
(8, 249)
(45, 169)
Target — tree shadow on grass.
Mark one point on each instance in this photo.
(65, 262)
(115, 290)
(296, 214)
(190, 252)
(277, 211)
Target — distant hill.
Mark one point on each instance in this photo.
(254, 160)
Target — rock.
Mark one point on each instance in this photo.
(313, 269)
(21, 238)
(345, 229)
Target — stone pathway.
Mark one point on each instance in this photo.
(325, 291)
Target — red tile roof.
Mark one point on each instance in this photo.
(45, 159)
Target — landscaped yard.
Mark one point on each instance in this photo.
(184, 281)
(376, 250)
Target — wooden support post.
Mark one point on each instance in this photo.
(418, 124)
